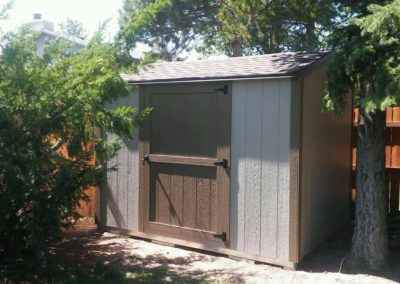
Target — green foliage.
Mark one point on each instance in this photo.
(169, 27)
(52, 109)
(74, 28)
(366, 61)
(273, 26)
(175, 26)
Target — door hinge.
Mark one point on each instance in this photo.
(223, 163)
(221, 236)
(223, 89)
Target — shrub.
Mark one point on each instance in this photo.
(51, 107)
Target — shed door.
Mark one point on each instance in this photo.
(185, 163)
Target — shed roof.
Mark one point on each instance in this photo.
(233, 68)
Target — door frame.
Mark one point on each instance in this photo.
(223, 152)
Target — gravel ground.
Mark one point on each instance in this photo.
(175, 265)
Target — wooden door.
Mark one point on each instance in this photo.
(185, 151)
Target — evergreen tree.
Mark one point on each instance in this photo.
(273, 26)
(365, 63)
(169, 27)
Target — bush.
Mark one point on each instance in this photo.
(50, 110)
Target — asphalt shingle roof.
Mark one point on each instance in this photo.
(269, 65)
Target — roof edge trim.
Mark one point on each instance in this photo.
(194, 80)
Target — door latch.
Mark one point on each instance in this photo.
(221, 236)
(146, 158)
(223, 163)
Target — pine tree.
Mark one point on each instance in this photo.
(365, 64)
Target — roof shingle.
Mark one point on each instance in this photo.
(269, 65)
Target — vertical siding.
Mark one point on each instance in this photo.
(253, 134)
(120, 195)
(284, 172)
(326, 166)
(270, 170)
(260, 169)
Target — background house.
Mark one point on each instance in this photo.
(47, 32)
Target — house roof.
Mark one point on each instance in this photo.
(233, 68)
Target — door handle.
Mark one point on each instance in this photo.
(222, 163)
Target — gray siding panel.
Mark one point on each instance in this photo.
(260, 170)
(133, 181)
(109, 196)
(120, 196)
(253, 167)
(270, 168)
(238, 181)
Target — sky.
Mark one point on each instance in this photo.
(89, 12)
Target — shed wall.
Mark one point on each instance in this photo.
(260, 150)
(260, 168)
(326, 166)
(120, 195)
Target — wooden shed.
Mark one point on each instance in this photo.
(236, 158)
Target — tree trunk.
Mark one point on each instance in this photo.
(370, 240)
(310, 43)
(236, 46)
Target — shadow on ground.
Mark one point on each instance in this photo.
(95, 258)
(331, 257)
(79, 259)
(106, 258)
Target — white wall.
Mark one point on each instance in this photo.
(260, 167)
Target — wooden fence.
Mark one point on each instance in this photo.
(86, 208)
(392, 152)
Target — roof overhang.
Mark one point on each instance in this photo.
(294, 73)
(222, 79)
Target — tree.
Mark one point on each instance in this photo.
(366, 63)
(74, 28)
(50, 110)
(169, 27)
(4, 8)
(231, 26)
(273, 26)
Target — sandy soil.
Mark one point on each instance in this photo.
(176, 265)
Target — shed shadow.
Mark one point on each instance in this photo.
(109, 203)
(331, 256)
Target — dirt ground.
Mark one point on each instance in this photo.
(110, 258)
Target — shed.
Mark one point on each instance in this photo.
(236, 158)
